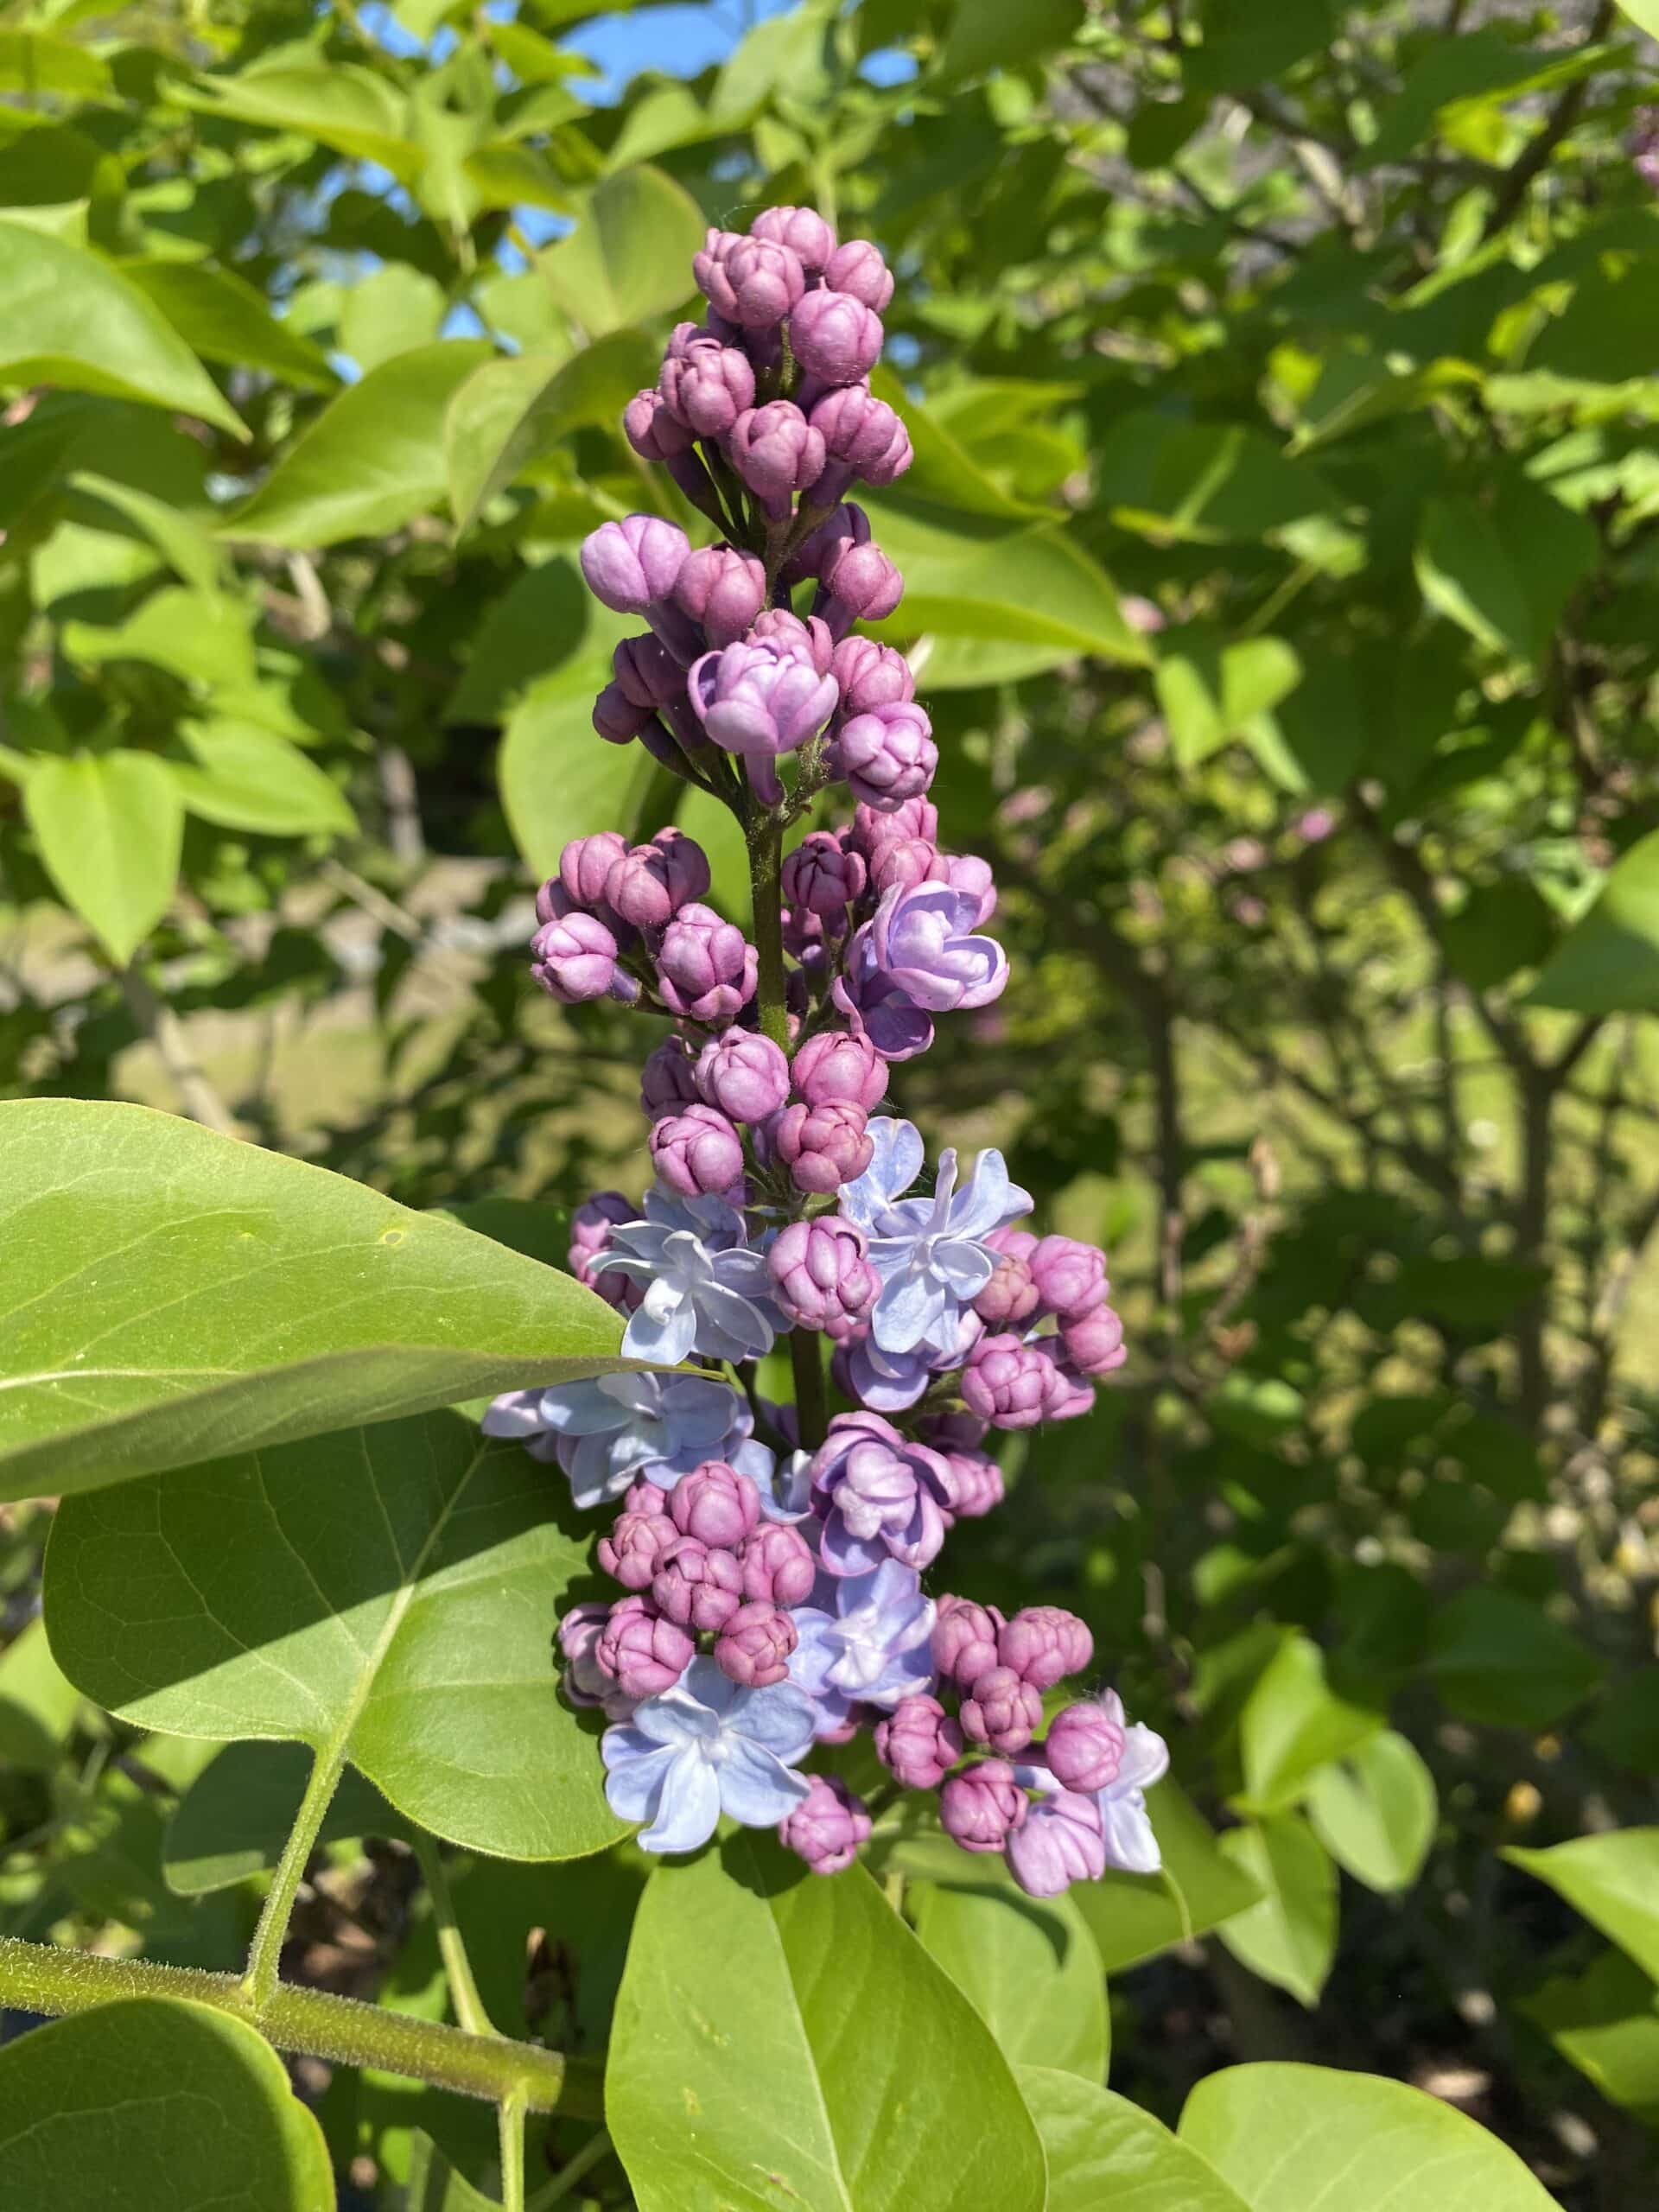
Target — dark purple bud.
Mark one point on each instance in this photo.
(723, 590)
(716, 1504)
(629, 1549)
(1001, 1711)
(708, 385)
(644, 1653)
(803, 230)
(848, 525)
(696, 1585)
(1069, 1276)
(750, 281)
(863, 433)
(918, 1742)
(1044, 1643)
(777, 452)
(574, 959)
(653, 429)
(860, 585)
(667, 1083)
(777, 1565)
(631, 564)
(983, 1807)
(649, 884)
(858, 269)
(1094, 1346)
(590, 1235)
(697, 1153)
(870, 674)
(978, 1483)
(706, 970)
(755, 1644)
(835, 337)
(1005, 1380)
(827, 1826)
(823, 1146)
(822, 1273)
(822, 876)
(616, 718)
(955, 1432)
(648, 674)
(1085, 1747)
(553, 901)
(887, 755)
(1010, 1297)
(745, 1075)
(836, 1070)
(965, 1640)
(585, 862)
(916, 817)
(809, 640)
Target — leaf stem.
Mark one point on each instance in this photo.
(46, 1977)
(578, 2164)
(259, 1982)
(512, 2121)
(452, 1948)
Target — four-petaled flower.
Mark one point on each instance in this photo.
(706, 1291)
(1130, 1844)
(606, 1432)
(706, 1747)
(872, 1649)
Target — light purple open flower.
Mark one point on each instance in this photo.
(873, 1648)
(889, 1381)
(930, 1253)
(706, 1747)
(882, 1496)
(917, 957)
(705, 1290)
(606, 1432)
(760, 700)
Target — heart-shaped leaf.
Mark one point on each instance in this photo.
(1102, 2152)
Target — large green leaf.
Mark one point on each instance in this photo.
(1289, 2137)
(149, 2103)
(1205, 482)
(1106, 2155)
(371, 460)
(38, 1703)
(1498, 1658)
(341, 104)
(510, 412)
(783, 2040)
(1504, 566)
(1028, 1967)
(235, 1817)
(387, 1595)
(1290, 1937)
(989, 35)
(69, 317)
(223, 318)
(246, 778)
(1605, 2022)
(558, 779)
(170, 1294)
(1608, 962)
(629, 257)
(1375, 1812)
(1293, 1724)
(1132, 1916)
(1613, 1880)
(110, 826)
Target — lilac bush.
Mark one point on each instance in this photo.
(774, 1561)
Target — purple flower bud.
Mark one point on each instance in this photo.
(616, 718)
(1644, 147)
(858, 269)
(871, 675)
(644, 1653)
(553, 901)
(629, 1549)
(903, 865)
(811, 639)
(745, 1075)
(1065, 1393)
(1095, 1345)
(667, 1082)
(653, 429)
(631, 564)
(919, 1742)
(575, 959)
(835, 337)
(777, 452)
(697, 1585)
(648, 675)
(716, 1504)
(965, 1640)
(887, 755)
(697, 1153)
(967, 872)
(916, 817)
(803, 230)
(1069, 1276)
(1005, 1382)
(860, 584)
(586, 1682)
(862, 433)
(836, 1070)
(983, 1807)
(823, 1146)
(707, 386)
(1001, 1711)
(1010, 1297)
(755, 1645)
(653, 883)
(706, 970)
(760, 700)
(643, 1496)
(750, 281)
(822, 876)
(1085, 1747)
(1062, 1841)
(978, 1479)
(778, 1565)
(590, 1235)
(957, 1432)
(848, 525)
(828, 1827)
(1044, 1643)
(585, 862)
(723, 590)
(822, 1273)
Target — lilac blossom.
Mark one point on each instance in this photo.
(827, 1829)
(606, 1432)
(705, 1291)
(1131, 1846)
(882, 1496)
(705, 1747)
(867, 1644)
(917, 957)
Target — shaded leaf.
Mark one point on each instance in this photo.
(1375, 1812)
(1498, 1658)
(629, 257)
(1028, 1967)
(235, 1817)
(1102, 2152)
(1613, 1880)
(1290, 1937)
(110, 828)
(1608, 962)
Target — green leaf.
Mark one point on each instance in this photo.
(1613, 1880)
(344, 105)
(371, 461)
(1293, 1724)
(110, 826)
(1291, 2137)
(986, 35)
(1499, 1659)
(434, 2186)
(1244, 44)
(235, 1818)
(1106, 2155)
(183, 540)
(171, 1294)
(1608, 962)
(388, 313)
(1605, 2022)
(546, 614)
(1504, 570)
(1376, 1812)
(629, 257)
(783, 2039)
(205, 637)
(38, 1703)
(69, 317)
(221, 316)
(1290, 1938)
(1134, 1917)
(249, 778)
(34, 62)
(1203, 483)
(559, 780)
(1027, 1966)
(152, 2102)
(387, 1595)
(1210, 692)
(508, 413)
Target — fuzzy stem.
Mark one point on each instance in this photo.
(452, 1949)
(259, 1982)
(512, 2121)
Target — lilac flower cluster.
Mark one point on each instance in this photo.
(771, 1560)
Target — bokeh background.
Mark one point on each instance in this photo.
(1281, 567)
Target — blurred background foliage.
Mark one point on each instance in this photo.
(1282, 552)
